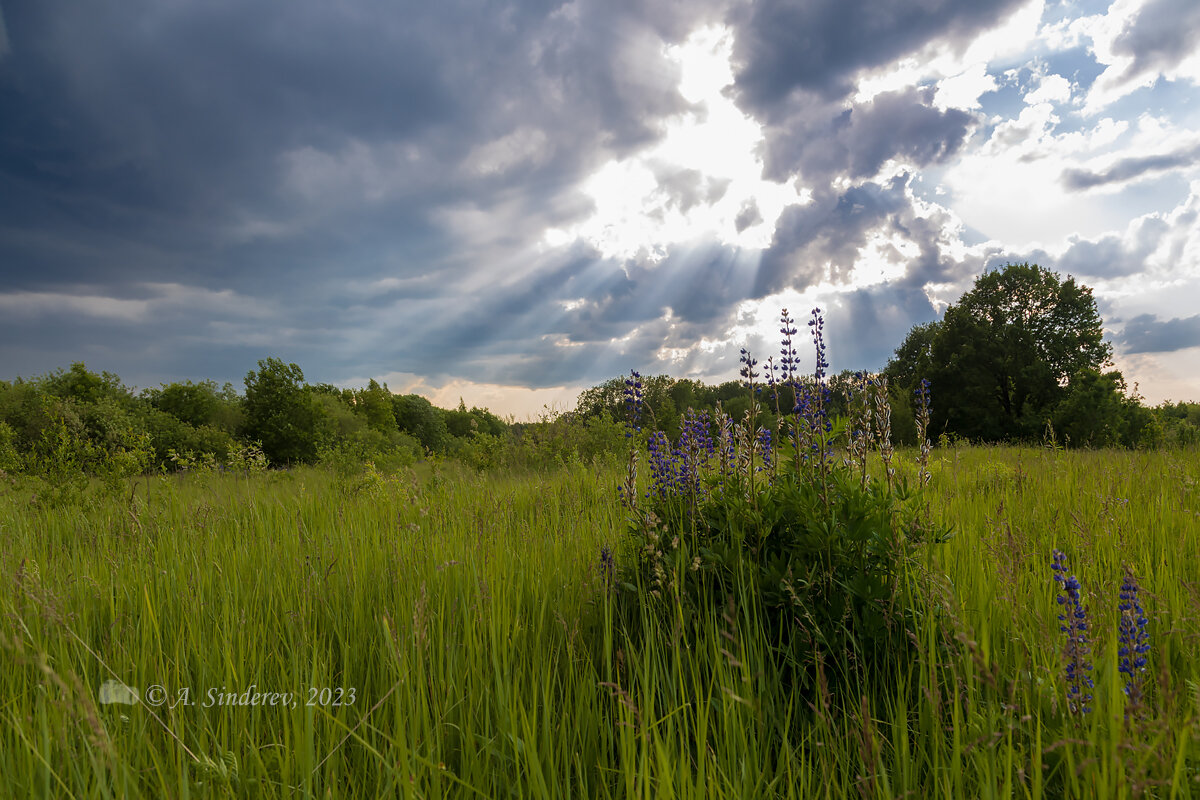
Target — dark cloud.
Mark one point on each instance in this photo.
(820, 46)
(687, 187)
(821, 240)
(1110, 255)
(1146, 334)
(1162, 34)
(824, 140)
(292, 151)
(1127, 169)
(750, 215)
(177, 128)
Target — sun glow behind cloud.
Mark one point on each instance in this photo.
(703, 180)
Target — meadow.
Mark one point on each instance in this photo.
(445, 632)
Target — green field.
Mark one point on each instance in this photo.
(463, 622)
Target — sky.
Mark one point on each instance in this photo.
(510, 202)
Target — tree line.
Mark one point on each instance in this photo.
(75, 424)
(1019, 358)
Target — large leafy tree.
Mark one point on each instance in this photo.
(280, 412)
(1004, 357)
(418, 417)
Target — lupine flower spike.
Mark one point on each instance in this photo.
(633, 414)
(633, 403)
(787, 352)
(922, 393)
(1074, 624)
(1134, 641)
(883, 428)
(607, 567)
(663, 468)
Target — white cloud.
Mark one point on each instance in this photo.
(1010, 187)
(963, 90)
(39, 304)
(1052, 89)
(1122, 74)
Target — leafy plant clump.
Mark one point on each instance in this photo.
(788, 520)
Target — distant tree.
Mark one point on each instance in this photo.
(375, 404)
(1004, 357)
(198, 404)
(1092, 413)
(280, 412)
(913, 359)
(1180, 422)
(463, 423)
(82, 385)
(658, 396)
(417, 416)
(606, 397)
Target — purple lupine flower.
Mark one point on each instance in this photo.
(1134, 641)
(663, 467)
(1075, 626)
(787, 353)
(922, 419)
(820, 372)
(765, 446)
(922, 393)
(747, 370)
(695, 448)
(607, 567)
(772, 384)
(817, 324)
(633, 403)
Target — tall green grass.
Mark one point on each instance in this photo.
(489, 658)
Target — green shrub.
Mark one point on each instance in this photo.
(783, 521)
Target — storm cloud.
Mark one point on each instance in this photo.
(1127, 169)
(1163, 33)
(1147, 334)
(819, 47)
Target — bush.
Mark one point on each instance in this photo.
(784, 523)
(10, 459)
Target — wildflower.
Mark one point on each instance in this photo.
(726, 443)
(633, 403)
(1074, 625)
(883, 425)
(772, 383)
(818, 401)
(787, 353)
(1134, 641)
(817, 323)
(607, 566)
(663, 467)
(861, 433)
(696, 447)
(765, 448)
(922, 393)
(747, 370)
